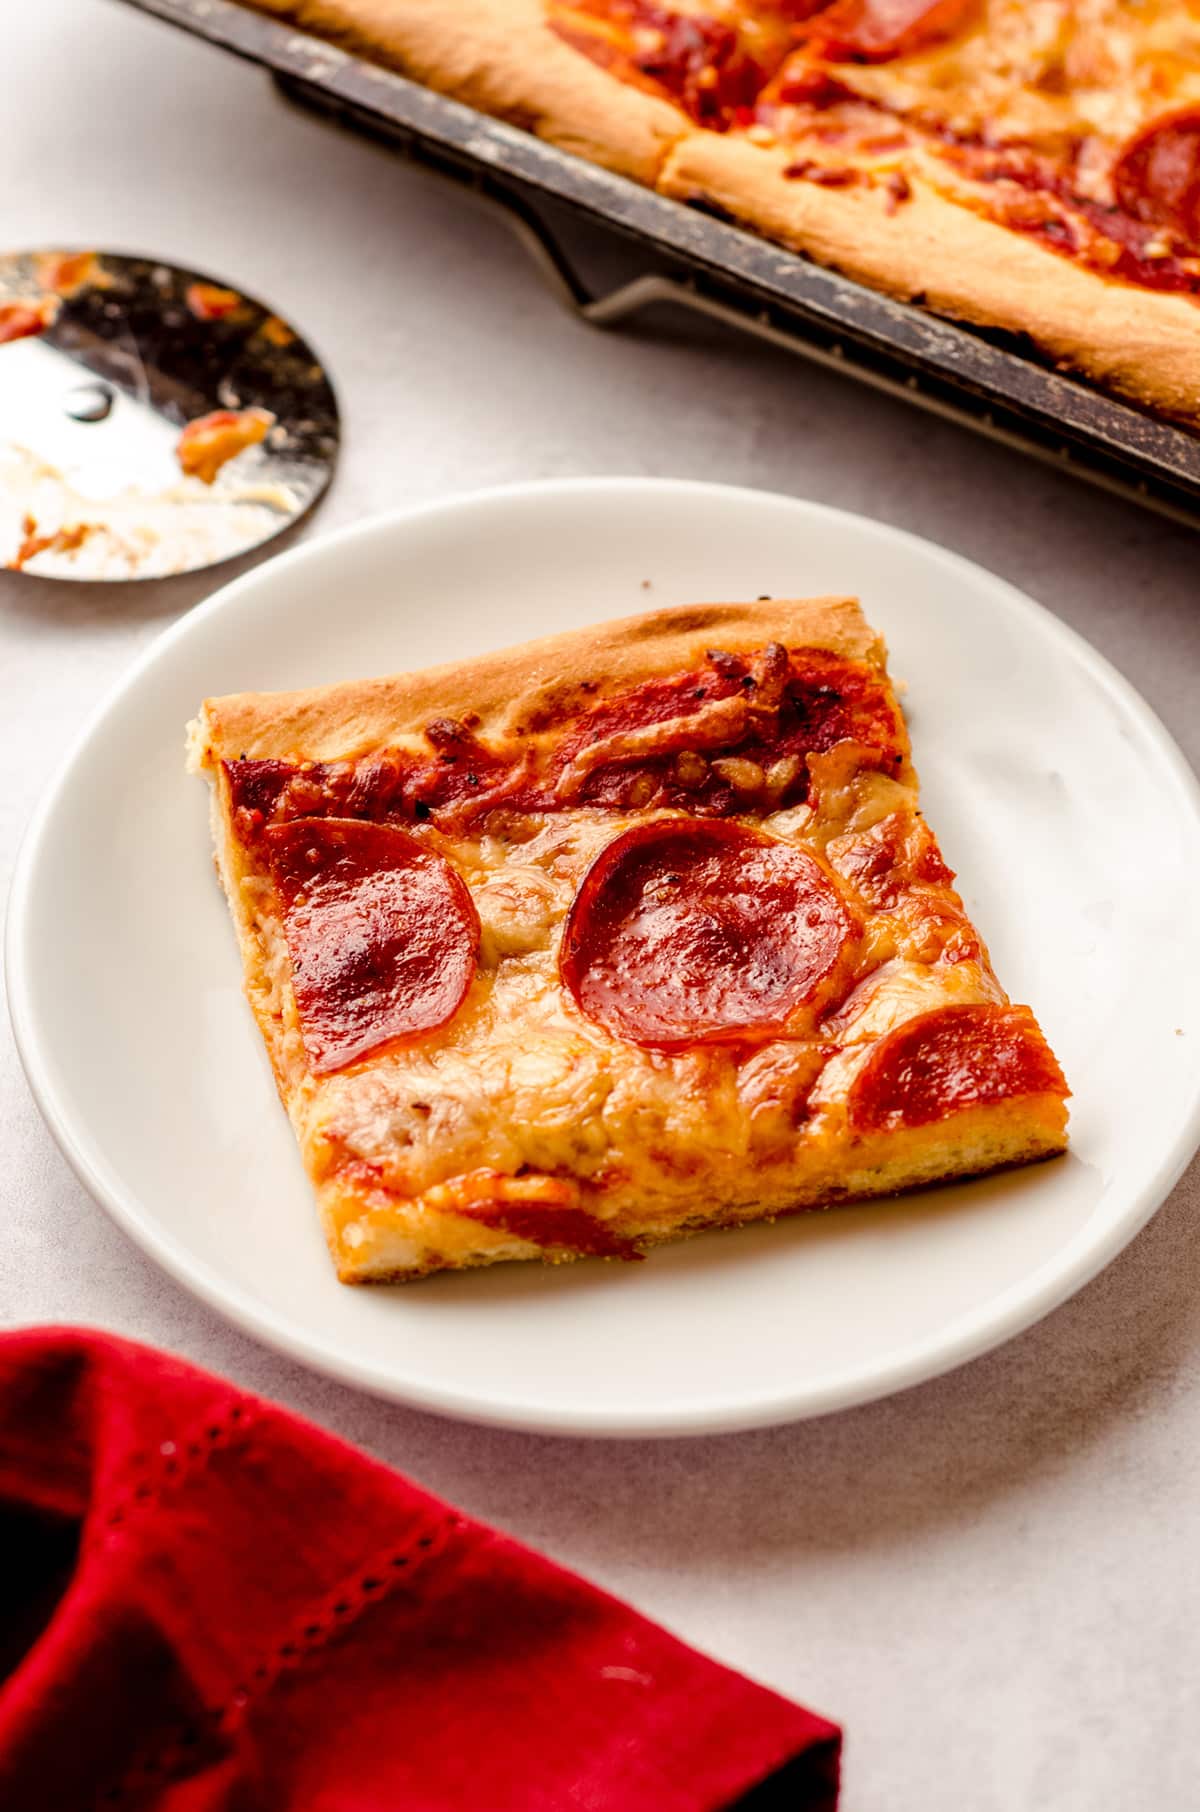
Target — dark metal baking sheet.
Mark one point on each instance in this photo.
(724, 270)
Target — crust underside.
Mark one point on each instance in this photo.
(937, 249)
(685, 1145)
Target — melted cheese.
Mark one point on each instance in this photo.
(520, 1082)
(1041, 72)
(1047, 73)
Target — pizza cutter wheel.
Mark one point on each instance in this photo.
(152, 420)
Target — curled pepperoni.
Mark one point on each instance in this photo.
(951, 1058)
(700, 62)
(873, 31)
(382, 934)
(1157, 178)
(692, 930)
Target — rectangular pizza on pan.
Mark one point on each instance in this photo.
(578, 947)
(1034, 168)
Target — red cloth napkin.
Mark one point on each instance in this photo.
(207, 1605)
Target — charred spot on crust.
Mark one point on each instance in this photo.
(446, 733)
(557, 703)
(686, 620)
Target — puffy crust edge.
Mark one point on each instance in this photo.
(937, 250)
(501, 57)
(408, 1241)
(510, 691)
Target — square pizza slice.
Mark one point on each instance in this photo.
(635, 930)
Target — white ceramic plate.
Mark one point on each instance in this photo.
(1068, 812)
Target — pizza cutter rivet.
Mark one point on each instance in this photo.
(90, 402)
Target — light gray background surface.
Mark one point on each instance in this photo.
(991, 1579)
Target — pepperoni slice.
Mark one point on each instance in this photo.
(695, 930)
(953, 1057)
(1157, 178)
(698, 61)
(873, 31)
(566, 1230)
(382, 934)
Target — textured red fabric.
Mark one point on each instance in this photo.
(207, 1605)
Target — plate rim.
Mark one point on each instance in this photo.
(1010, 1313)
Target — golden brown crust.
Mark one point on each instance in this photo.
(1142, 343)
(973, 1143)
(509, 692)
(501, 57)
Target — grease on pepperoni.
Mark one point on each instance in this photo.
(1157, 177)
(874, 31)
(954, 1057)
(382, 934)
(688, 931)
